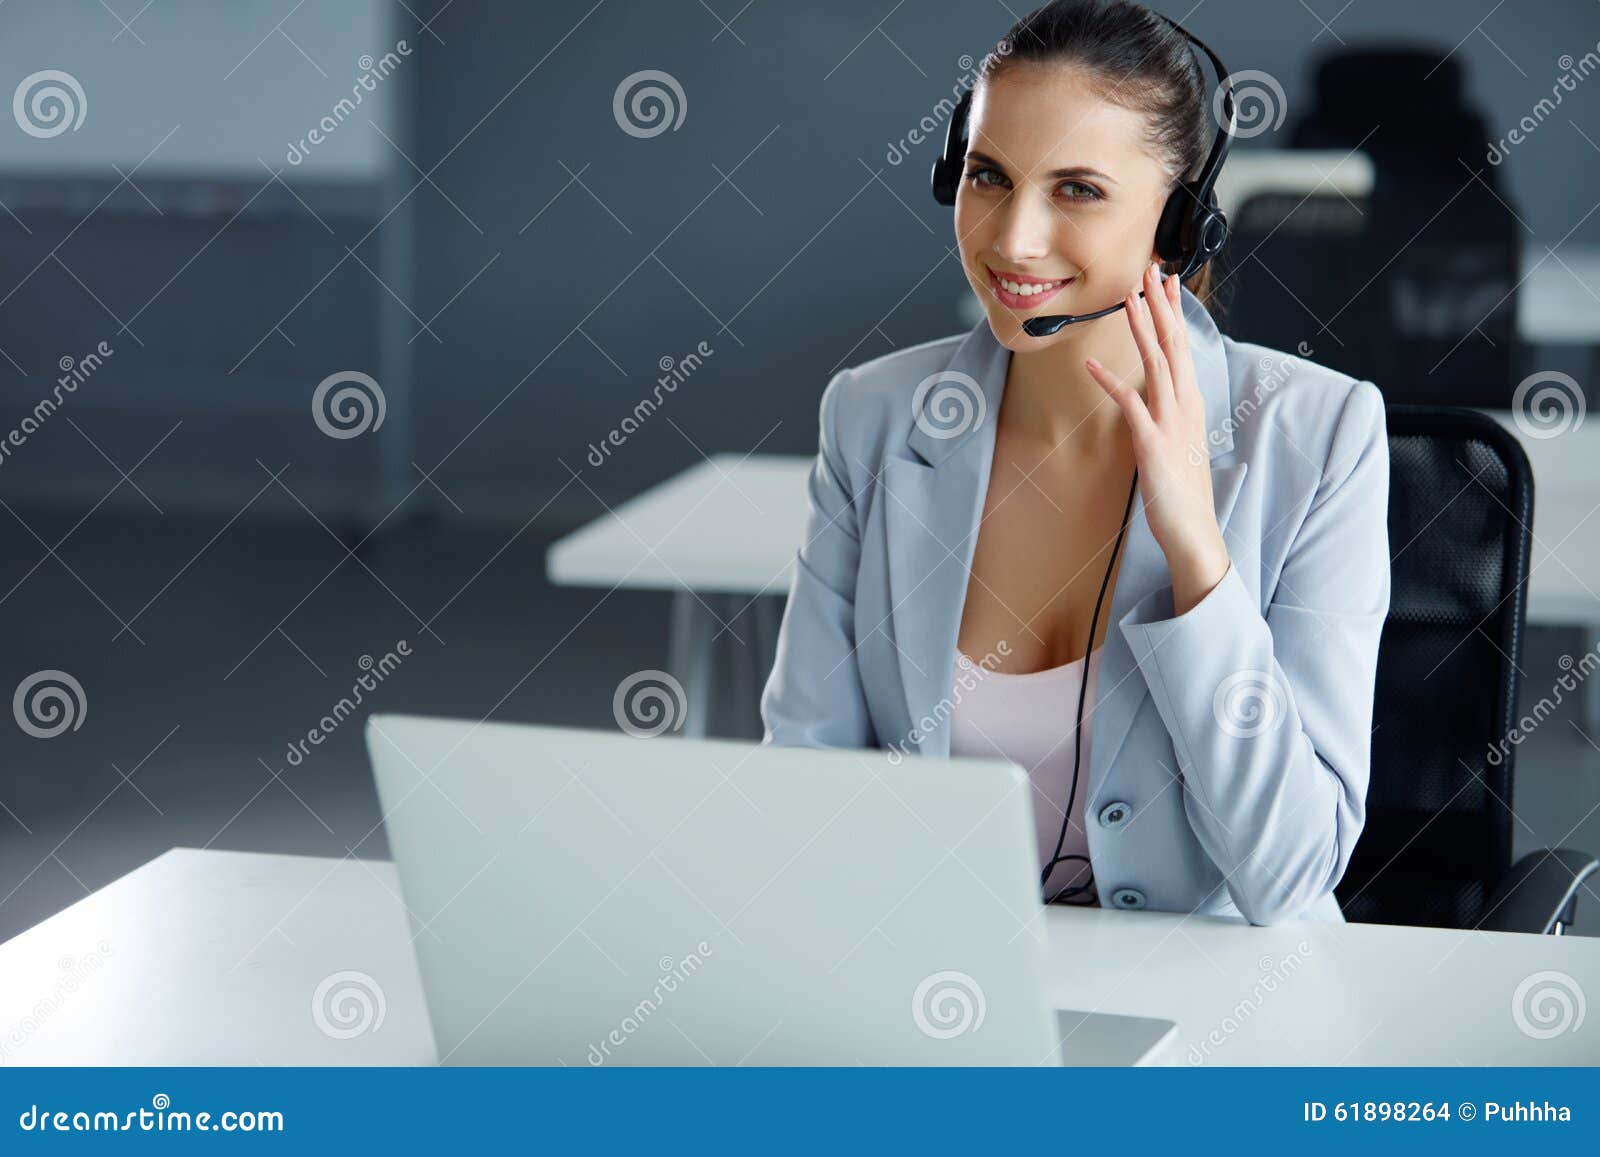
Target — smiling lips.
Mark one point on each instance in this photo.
(1017, 291)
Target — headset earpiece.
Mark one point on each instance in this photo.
(948, 167)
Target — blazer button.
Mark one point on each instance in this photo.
(1115, 814)
(1128, 898)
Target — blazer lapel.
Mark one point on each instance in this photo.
(932, 509)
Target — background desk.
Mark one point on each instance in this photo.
(723, 534)
(214, 958)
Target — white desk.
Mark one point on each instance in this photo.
(215, 956)
(719, 536)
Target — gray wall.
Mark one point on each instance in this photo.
(844, 254)
(559, 259)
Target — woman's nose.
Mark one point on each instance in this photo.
(1027, 225)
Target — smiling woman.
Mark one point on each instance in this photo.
(975, 495)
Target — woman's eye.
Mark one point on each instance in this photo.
(980, 179)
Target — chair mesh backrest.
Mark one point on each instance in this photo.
(1413, 288)
(1438, 829)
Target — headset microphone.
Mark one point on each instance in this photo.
(1045, 326)
(1191, 231)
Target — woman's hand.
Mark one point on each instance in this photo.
(1169, 441)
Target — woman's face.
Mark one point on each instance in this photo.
(1057, 188)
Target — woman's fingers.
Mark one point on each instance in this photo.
(1127, 399)
(1175, 340)
(1168, 321)
(1157, 377)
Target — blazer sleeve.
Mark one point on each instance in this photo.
(814, 696)
(1271, 715)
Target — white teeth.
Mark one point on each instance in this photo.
(1025, 290)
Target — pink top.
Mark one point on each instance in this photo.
(1030, 720)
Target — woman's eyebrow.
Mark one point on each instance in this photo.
(1067, 173)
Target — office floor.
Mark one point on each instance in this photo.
(251, 636)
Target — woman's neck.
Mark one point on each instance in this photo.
(1051, 398)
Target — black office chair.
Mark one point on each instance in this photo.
(1414, 287)
(1436, 849)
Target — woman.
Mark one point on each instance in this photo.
(973, 498)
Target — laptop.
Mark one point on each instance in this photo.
(581, 897)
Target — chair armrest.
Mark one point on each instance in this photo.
(1538, 891)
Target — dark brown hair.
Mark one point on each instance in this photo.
(1144, 64)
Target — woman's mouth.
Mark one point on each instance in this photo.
(1016, 291)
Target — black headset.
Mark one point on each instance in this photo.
(1192, 230)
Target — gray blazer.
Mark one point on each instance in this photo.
(1231, 745)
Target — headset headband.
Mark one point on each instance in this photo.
(1191, 228)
